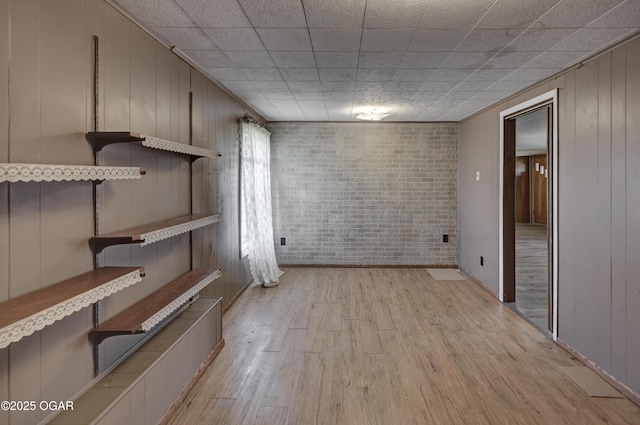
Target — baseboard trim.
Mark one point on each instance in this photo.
(479, 283)
(373, 266)
(628, 392)
(192, 382)
(236, 296)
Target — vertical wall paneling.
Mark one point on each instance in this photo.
(633, 218)
(618, 255)
(599, 193)
(4, 189)
(603, 213)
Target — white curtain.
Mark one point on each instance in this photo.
(256, 221)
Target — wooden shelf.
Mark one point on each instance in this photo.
(100, 139)
(151, 233)
(147, 313)
(24, 315)
(13, 172)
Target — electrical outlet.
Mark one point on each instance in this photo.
(283, 241)
(445, 238)
(482, 261)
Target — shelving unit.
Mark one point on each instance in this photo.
(32, 312)
(14, 172)
(147, 313)
(100, 139)
(150, 233)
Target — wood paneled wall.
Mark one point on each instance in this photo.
(599, 200)
(46, 56)
(523, 195)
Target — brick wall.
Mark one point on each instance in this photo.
(365, 193)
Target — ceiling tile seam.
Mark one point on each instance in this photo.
(315, 61)
(364, 16)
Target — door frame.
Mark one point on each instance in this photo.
(549, 98)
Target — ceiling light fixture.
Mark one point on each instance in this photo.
(372, 115)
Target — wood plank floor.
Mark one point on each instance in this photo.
(532, 290)
(386, 346)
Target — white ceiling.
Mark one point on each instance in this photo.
(422, 60)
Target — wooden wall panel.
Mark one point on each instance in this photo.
(523, 204)
(4, 94)
(603, 210)
(618, 253)
(633, 217)
(539, 191)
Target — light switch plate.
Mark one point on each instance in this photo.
(477, 176)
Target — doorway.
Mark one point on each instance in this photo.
(528, 211)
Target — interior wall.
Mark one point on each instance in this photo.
(46, 107)
(599, 197)
(365, 193)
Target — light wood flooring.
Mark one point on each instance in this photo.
(531, 273)
(387, 346)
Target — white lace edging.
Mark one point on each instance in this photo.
(178, 229)
(38, 321)
(47, 172)
(166, 145)
(162, 314)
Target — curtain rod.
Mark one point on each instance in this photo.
(250, 120)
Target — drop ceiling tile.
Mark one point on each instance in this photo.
(540, 39)
(467, 59)
(300, 74)
(510, 59)
(415, 74)
(510, 86)
(262, 74)
(492, 96)
(250, 95)
(336, 40)
(386, 40)
(209, 58)
(158, 13)
(481, 40)
(428, 97)
(251, 59)
(375, 74)
(592, 39)
(278, 94)
(215, 13)
(454, 14)
(379, 59)
(430, 40)
(229, 74)
(292, 39)
(459, 95)
(514, 13)
(338, 95)
(334, 13)
(271, 85)
(186, 38)
(626, 15)
(292, 114)
(440, 86)
(423, 59)
(451, 74)
(474, 86)
(305, 87)
(490, 74)
(396, 14)
(369, 87)
(531, 75)
(337, 59)
(294, 59)
(231, 39)
(337, 74)
(395, 86)
(311, 104)
(281, 13)
(556, 59)
(399, 96)
(238, 85)
(316, 114)
(309, 95)
(331, 86)
(575, 13)
(339, 105)
(285, 103)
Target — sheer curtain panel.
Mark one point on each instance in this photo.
(256, 219)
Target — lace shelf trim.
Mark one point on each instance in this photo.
(38, 321)
(165, 312)
(169, 232)
(166, 145)
(11, 172)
